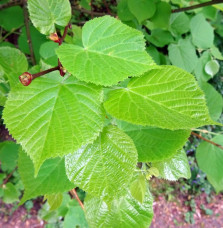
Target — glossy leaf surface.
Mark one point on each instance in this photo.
(105, 166)
(174, 168)
(98, 214)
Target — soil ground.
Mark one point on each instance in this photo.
(166, 214)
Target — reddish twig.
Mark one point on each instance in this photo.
(65, 33)
(74, 194)
(45, 72)
(29, 40)
(207, 140)
(213, 2)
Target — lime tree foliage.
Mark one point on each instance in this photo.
(121, 113)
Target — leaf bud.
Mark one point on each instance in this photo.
(54, 37)
(26, 78)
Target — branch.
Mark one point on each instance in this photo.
(107, 8)
(74, 194)
(207, 140)
(8, 177)
(26, 78)
(11, 3)
(90, 12)
(29, 40)
(213, 2)
(64, 33)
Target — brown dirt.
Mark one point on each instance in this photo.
(19, 218)
(171, 214)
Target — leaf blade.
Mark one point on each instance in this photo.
(108, 42)
(167, 98)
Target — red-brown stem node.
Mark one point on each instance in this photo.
(26, 78)
(62, 71)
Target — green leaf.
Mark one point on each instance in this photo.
(47, 52)
(212, 67)
(75, 218)
(105, 166)
(210, 12)
(46, 14)
(202, 32)
(85, 4)
(11, 194)
(53, 116)
(111, 52)
(210, 160)
(138, 188)
(11, 18)
(160, 38)
(54, 200)
(214, 100)
(174, 168)
(8, 155)
(183, 55)
(154, 53)
(155, 144)
(218, 185)
(162, 15)
(14, 63)
(167, 97)
(51, 178)
(123, 11)
(124, 212)
(179, 23)
(199, 71)
(216, 53)
(37, 40)
(142, 9)
(4, 89)
(77, 36)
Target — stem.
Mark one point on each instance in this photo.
(29, 40)
(91, 9)
(107, 8)
(8, 34)
(10, 3)
(205, 131)
(213, 2)
(207, 140)
(7, 178)
(64, 34)
(91, 12)
(45, 72)
(74, 194)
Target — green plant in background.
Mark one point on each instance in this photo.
(119, 114)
